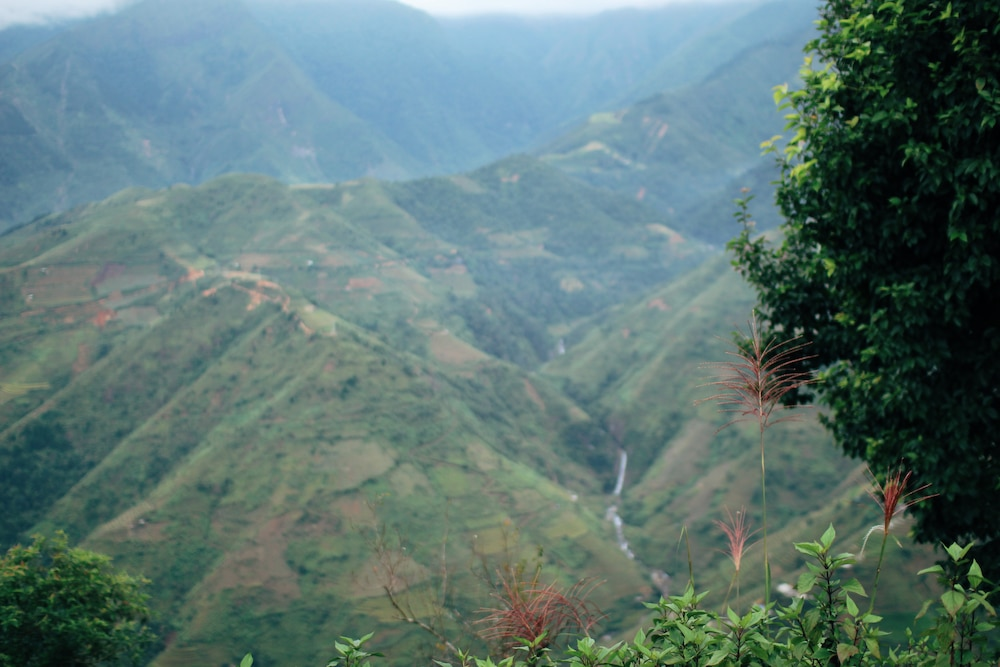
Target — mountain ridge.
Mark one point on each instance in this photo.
(248, 381)
(94, 109)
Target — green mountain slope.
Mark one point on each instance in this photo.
(246, 379)
(168, 92)
(237, 369)
(396, 67)
(245, 389)
(564, 68)
(643, 372)
(17, 38)
(678, 147)
(702, 50)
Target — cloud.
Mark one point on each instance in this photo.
(44, 11)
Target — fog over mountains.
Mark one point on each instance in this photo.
(161, 93)
(292, 273)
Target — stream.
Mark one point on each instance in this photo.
(659, 578)
(611, 514)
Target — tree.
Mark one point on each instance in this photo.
(890, 256)
(67, 606)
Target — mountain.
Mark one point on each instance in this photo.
(643, 371)
(237, 370)
(460, 92)
(17, 38)
(253, 388)
(277, 398)
(702, 50)
(179, 92)
(396, 67)
(168, 92)
(678, 148)
(565, 68)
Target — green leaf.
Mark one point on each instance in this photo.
(952, 601)
(717, 657)
(247, 661)
(799, 170)
(854, 586)
(779, 93)
(873, 647)
(808, 548)
(933, 569)
(734, 618)
(768, 146)
(956, 552)
(828, 536)
(975, 574)
(852, 607)
(806, 582)
(845, 651)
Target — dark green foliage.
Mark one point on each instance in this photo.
(523, 228)
(67, 606)
(890, 262)
(35, 470)
(504, 329)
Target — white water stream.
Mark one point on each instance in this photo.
(612, 512)
(659, 578)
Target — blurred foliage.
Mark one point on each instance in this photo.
(64, 605)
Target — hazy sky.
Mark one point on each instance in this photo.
(32, 11)
(527, 6)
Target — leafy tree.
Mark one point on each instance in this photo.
(68, 606)
(890, 259)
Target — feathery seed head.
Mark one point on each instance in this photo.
(737, 530)
(892, 497)
(761, 373)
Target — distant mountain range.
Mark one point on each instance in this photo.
(182, 91)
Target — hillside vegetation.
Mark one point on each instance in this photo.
(322, 300)
(247, 378)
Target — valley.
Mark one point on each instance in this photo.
(295, 331)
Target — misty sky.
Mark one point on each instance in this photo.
(527, 6)
(34, 11)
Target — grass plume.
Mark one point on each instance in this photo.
(530, 614)
(752, 386)
(893, 499)
(738, 533)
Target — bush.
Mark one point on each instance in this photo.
(67, 606)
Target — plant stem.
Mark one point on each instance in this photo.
(878, 571)
(763, 501)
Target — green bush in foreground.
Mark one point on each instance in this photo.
(67, 606)
(823, 625)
